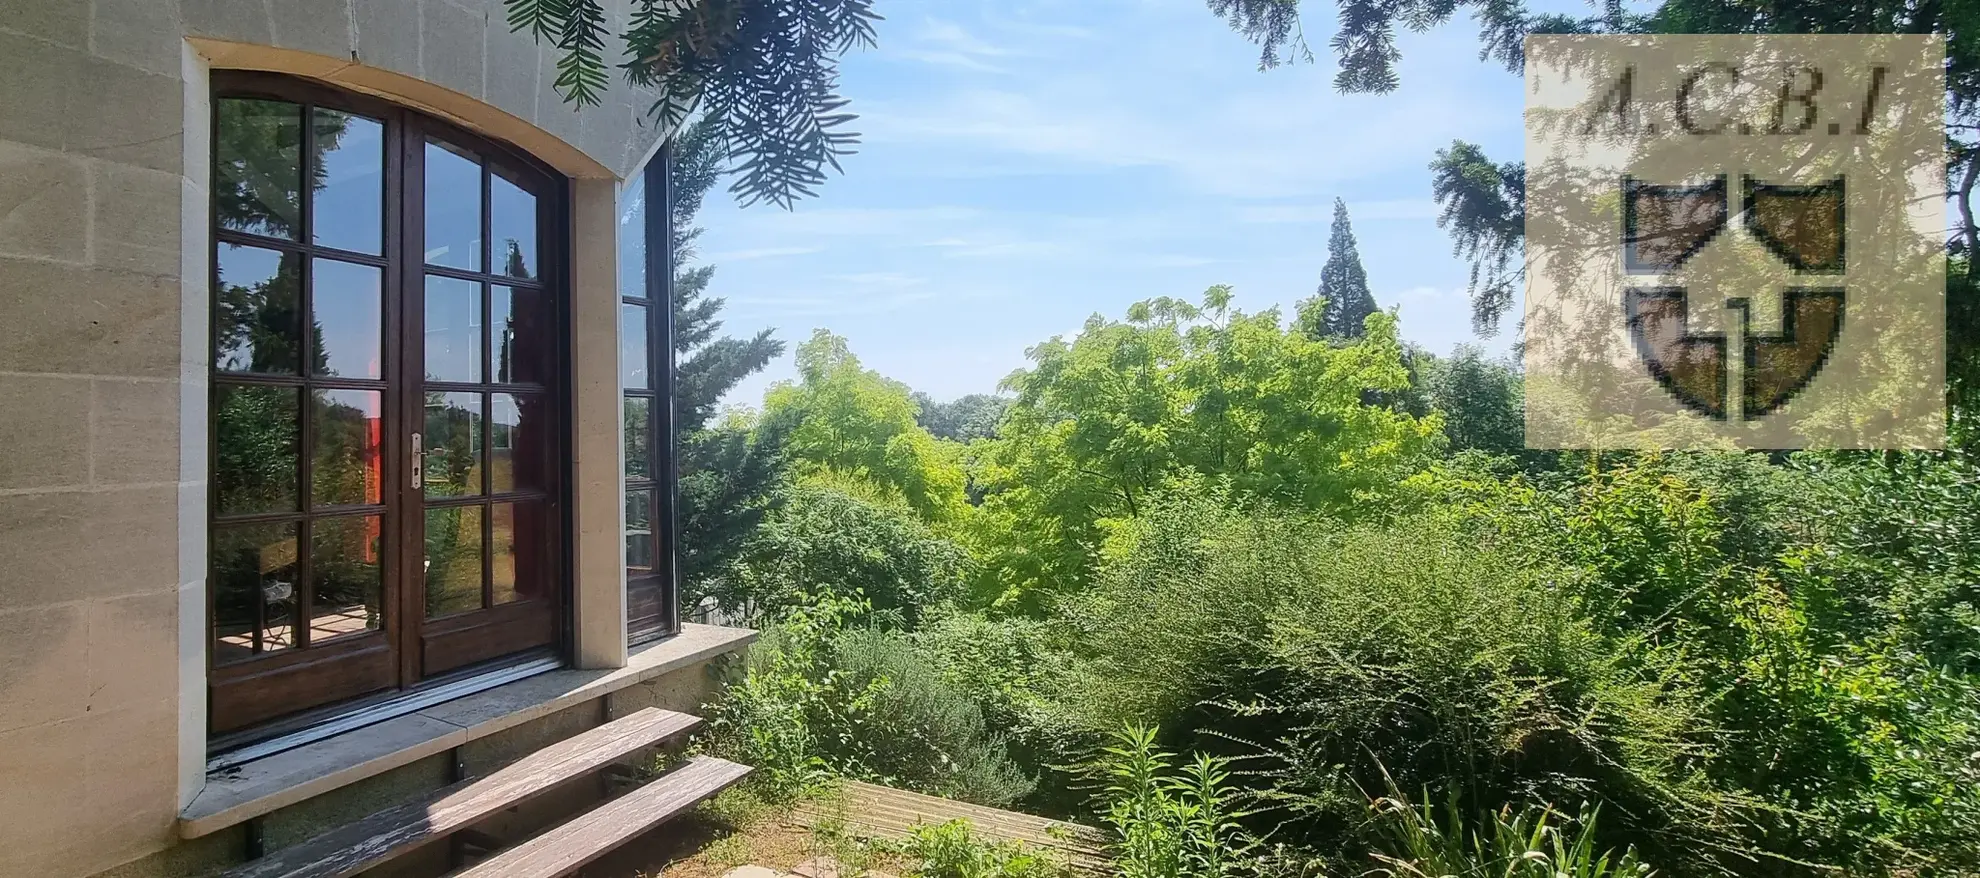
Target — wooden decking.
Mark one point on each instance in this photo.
(872, 811)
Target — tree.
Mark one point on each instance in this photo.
(1346, 301)
(728, 472)
(1173, 391)
(1480, 398)
(764, 73)
(840, 420)
(969, 417)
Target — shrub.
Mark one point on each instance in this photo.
(1169, 822)
(1527, 842)
(1323, 654)
(951, 850)
(823, 694)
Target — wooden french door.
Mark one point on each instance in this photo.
(388, 416)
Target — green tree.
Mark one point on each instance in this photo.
(1176, 389)
(841, 419)
(974, 416)
(1480, 398)
(729, 473)
(1345, 301)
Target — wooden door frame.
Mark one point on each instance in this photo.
(401, 589)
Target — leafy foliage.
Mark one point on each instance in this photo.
(1105, 420)
(842, 418)
(764, 72)
(952, 850)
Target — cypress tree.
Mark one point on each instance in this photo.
(1343, 286)
(728, 477)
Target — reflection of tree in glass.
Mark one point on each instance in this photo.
(255, 450)
(450, 445)
(345, 453)
(453, 557)
(256, 168)
(513, 264)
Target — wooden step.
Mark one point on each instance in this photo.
(567, 848)
(399, 830)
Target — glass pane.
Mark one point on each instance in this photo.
(255, 458)
(257, 311)
(523, 335)
(453, 444)
(521, 534)
(453, 207)
(639, 437)
(346, 579)
(346, 467)
(347, 210)
(512, 226)
(632, 238)
(632, 347)
(518, 431)
(453, 329)
(453, 560)
(257, 166)
(254, 589)
(639, 531)
(348, 309)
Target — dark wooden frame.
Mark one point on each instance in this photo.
(663, 472)
(277, 691)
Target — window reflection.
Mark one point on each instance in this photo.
(632, 347)
(517, 453)
(253, 575)
(348, 310)
(453, 560)
(257, 306)
(632, 238)
(520, 533)
(346, 581)
(346, 468)
(512, 225)
(453, 329)
(523, 336)
(347, 209)
(453, 444)
(257, 181)
(639, 434)
(453, 207)
(639, 530)
(255, 464)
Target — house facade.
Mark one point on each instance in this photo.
(334, 455)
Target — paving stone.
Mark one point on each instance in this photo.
(751, 872)
(818, 867)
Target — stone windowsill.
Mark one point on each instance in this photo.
(236, 795)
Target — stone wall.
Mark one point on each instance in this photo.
(104, 254)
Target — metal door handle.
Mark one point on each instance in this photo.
(418, 464)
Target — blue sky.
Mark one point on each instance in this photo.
(1026, 164)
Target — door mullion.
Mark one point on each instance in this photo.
(412, 397)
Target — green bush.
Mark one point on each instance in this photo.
(952, 850)
(1420, 645)
(1530, 842)
(823, 694)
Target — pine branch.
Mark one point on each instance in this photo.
(763, 72)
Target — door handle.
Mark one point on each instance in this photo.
(418, 464)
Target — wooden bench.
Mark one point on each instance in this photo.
(402, 829)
